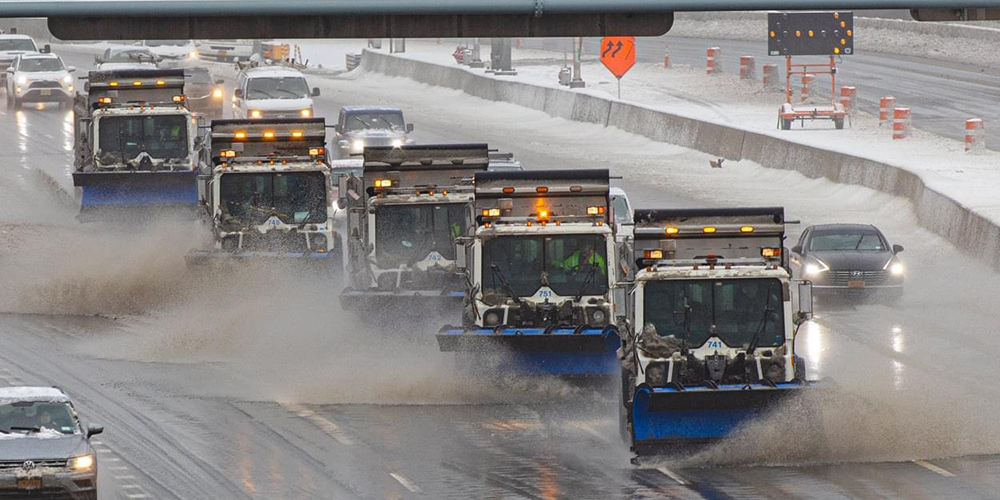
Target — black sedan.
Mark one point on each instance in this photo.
(849, 258)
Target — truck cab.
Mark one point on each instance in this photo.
(137, 148)
(540, 272)
(403, 217)
(269, 195)
(712, 323)
(360, 127)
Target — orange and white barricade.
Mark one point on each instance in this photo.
(900, 123)
(666, 55)
(847, 95)
(713, 61)
(807, 80)
(885, 107)
(771, 79)
(748, 68)
(975, 135)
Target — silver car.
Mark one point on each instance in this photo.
(44, 450)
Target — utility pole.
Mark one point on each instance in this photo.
(577, 81)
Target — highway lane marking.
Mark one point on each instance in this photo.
(326, 425)
(126, 476)
(933, 468)
(405, 482)
(672, 475)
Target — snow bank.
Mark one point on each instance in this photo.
(22, 393)
(953, 194)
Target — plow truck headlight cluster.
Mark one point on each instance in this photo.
(255, 113)
(358, 145)
(397, 143)
(306, 113)
(491, 318)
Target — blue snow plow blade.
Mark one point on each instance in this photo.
(541, 351)
(670, 415)
(142, 192)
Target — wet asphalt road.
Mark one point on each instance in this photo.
(281, 408)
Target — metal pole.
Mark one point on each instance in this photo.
(577, 81)
(619, 89)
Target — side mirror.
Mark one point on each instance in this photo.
(460, 263)
(805, 311)
(238, 93)
(797, 249)
(409, 127)
(46, 49)
(338, 129)
(897, 248)
(220, 82)
(315, 92)
(93, 430)
(10, 70)
(71, 69)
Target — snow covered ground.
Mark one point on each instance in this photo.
(942, 164)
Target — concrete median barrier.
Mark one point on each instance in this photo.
(966, 229)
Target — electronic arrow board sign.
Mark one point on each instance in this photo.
(810, 33)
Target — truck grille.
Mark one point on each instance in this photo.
(871, 278)
(274, 241)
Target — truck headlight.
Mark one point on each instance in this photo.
(306, 113)
(492, 317)
(318, 243)
(255, 113)
(358, 145)
(193, 54)
(217, 93)
(597, 316)
(397, 143)
(83, 462)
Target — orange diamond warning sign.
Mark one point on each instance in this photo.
(618, 54)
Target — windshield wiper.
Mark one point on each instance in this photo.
(763, 326)
(29, 429)
(503, 282)
(297, 95)
(586, 281)
(266, 95)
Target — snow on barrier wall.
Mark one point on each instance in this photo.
(946, 217)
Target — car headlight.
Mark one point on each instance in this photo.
(255, 113)
(358, 145)
(397, 143)
(83, 462)
(896, 268)
(812, 269)
(217, 93)
(21, 80)
(306, 113)
(67, 80)
(193, 54)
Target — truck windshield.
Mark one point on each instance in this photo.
(374, 121)
(17, 44)
(405, 234)
(572, 264)
(735, 308)
(292, 87)
(294, 197)
(163, 137)
(35, 416)
(40, 64)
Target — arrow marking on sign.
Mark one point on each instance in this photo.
(607, 49)
(617, 49)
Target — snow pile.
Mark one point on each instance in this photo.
(25, 393)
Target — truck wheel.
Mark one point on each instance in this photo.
(839, 123)
(786, 124)
(17, 103)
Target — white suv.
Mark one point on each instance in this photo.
(39, 78)
(272, 92)
(12, 46)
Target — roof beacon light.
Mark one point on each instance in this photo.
(383, 183)
(598, 210)
(671, 230)
(178, 98)
(542, 189)
(112, 84)
(104, 100)
(227, 153)
(160, 83)
(708, 230)
(746, 229)
(508, 190)
(137, 83)
(297, 134)
(491, 212)
(543, 215)
(652, 254)
(239, 136)
(268, 134)
(316, 151)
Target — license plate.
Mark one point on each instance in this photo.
(223, 52)
(29, 483)
(856, 283)
(46, 92)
